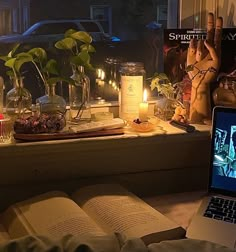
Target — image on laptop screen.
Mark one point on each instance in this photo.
(223, 159)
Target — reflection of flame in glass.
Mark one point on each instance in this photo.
(99, 72)
(102, 75)
(145, 95)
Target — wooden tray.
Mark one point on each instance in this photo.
(66, 135)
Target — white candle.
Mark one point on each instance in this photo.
(143, 108)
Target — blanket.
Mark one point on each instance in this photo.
(103, 244)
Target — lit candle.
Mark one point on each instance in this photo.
(143, 108)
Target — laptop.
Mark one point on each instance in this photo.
(215, 220)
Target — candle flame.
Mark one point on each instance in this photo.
(145, 95)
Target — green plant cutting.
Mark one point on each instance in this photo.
(78, 45)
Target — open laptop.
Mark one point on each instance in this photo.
(215, 219)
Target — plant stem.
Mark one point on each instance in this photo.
(40, 74)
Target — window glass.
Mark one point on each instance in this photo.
(90, 26)
(54, 28)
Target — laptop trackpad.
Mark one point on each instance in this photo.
(221, 232)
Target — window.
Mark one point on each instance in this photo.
(90, 26)
(54, 28)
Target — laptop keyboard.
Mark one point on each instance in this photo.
(221, 209)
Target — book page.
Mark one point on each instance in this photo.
(114, 208)
(52, 214)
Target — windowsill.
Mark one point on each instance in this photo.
(146, 163)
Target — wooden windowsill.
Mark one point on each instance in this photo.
(146, 163)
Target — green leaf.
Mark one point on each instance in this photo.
(84, 56)
(52, 67)
(76, 60)
(87, 47)
(82, 59)
(82, 36)
(153, 84)
(10, 63)
(162, 76)
(39, 53)
(66, 44)
(5, 58)
(12, 52)
(10, 73)
(21, 59)
(69, 32)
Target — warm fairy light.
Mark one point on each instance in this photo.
(99, 72)
(102, 75)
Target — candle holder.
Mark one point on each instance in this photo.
(5, 130)
(146, 126)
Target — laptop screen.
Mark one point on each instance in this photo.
(223, 151)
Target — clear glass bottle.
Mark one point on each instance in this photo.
(52, 111)
(79, 96)
(18, 101)
(51, 103)
(132, 76)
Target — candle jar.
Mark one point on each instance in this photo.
(132, 76)
(5, 130)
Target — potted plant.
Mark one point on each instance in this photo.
(18, 99)
(169, 94)
(77, 46)
(49, 73)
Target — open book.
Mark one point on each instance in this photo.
(98, 210)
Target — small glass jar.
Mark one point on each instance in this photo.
(112, 68)
(132, 76)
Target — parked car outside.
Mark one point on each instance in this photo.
(47, 32)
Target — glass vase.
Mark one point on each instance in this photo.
(79, 96)
(18, 101)
(165, 108)
(52, 110)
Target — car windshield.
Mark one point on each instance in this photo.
(54, 28)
